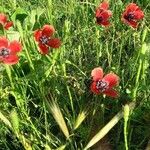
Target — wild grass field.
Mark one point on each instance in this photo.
(46, 102)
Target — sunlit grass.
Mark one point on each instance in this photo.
(44, 101)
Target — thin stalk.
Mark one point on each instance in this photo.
(8, 71)
(142, 54)
(50, 10)
(126, 118)
(69, 92)
(20, 29)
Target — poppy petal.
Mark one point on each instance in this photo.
(132, 23)
(131, 7)
(94, 89)
(48, 30)
(11, 59)
(106, 14)
(97, 74)
(15, 47)
(54, 43)
(3, 42)
(37, 35)
(138, 15)
(105, 23)
(98, 12)
(3, 18)
(111, 93)
(8, 25)
(104, 5)
(43, 48)
(112, 79)
(102, 14)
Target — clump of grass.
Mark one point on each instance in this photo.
(29, 120)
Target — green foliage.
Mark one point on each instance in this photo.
(44, 103)
(19, 14)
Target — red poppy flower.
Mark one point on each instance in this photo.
(103, 14)
(104, 84)
(9, 50)
(132, 15)
(45, 40)
(4, 22)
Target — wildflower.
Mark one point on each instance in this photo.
(103, 14)
(132, 15)
(45, 40)
(4, 22)
(104, 84)
(9, 50)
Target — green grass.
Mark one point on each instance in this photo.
(44, 102)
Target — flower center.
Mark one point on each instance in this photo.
(102, 85)
(99, 19)
(4, 52)
(44, 39)
(129, 16)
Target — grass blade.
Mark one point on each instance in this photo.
(61, 147)
(15, 121)
(126, 118)
(107, 127)
(55, 110)
(81, 116)
(5, 120)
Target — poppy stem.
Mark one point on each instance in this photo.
(20, 29)
(142, 54)
(8, 71)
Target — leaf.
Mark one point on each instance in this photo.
(32, 18)
(20, 14)
(100, 28)
(13, 35)
(39, 12)
(5, 120)
(2, 9)
(14, 120)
